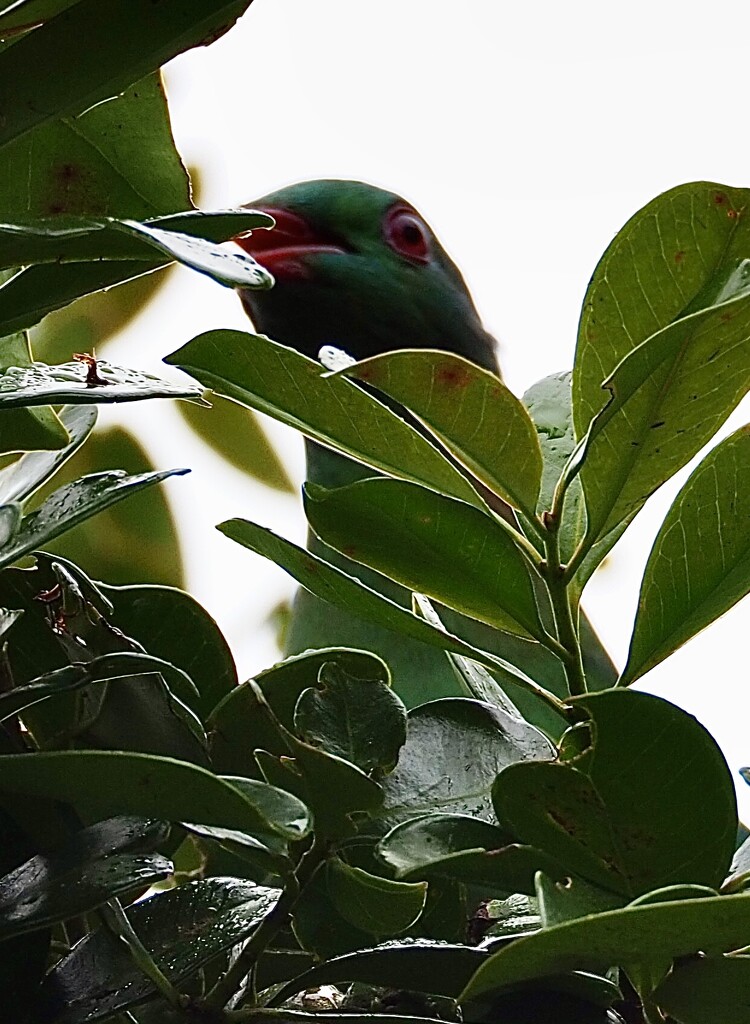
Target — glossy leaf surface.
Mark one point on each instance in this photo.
(453, 752)
(444, 548)
(699, 566)
(255, 371)
(473, 413)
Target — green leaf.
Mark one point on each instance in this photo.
(471, 411)
(649, 803)
(183, 929)
(465, 848)
(116, 159)
(673, 256)
(698, 567)
(96, 51)
(375, 905)
(72, 504)
(707, 990)
(20, 429)
(420, 965)
(359, 720)
(21, 15)
(333, 585)
(22, 478)
(257, 372)
(266, 856)
(618, 937)
(120, 665)
(237, 435)
(114, 545)
(549, 405)
(238, 724)
(565, 899)
(172, 625)
(69, 237)
(99, 783)
(669, 396)
(444, 548)
(342, 908)
(80, 383)
(38, 290)
(94, 865)
(453, 752)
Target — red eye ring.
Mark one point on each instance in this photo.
(406, 233)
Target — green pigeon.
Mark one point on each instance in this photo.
(358, 268)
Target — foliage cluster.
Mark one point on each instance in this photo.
(307, 846)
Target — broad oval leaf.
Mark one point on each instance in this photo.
(258, 372)
(630, 813)
(471, 411)
(707, 990)
(465, 848)
(617, 937)
(669, 396)
(673, 256)
(376, 905)
(454, 749)
(444, 548)
(359, 720)
(99, 783)
(699, 566)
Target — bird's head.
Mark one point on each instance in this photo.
(358, 268)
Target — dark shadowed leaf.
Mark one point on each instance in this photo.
(473, 413)
(360, 720)
(444, 548)
(72, 504)
(22, 14)
(99, 783)
(183, 929)
(172, 625)
(699, 565)
(96, 864)
(453, 752)
(418, 964)
(465, 848)
(264, 375)
(96, 51)
(238, 725)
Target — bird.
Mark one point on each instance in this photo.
(358, 268)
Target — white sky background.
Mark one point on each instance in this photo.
(527, 134)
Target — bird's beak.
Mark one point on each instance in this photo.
(282, 249)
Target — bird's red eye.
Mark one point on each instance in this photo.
(406, 234)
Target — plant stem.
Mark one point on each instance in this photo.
(116, 920)
(554, 574)
(266, 931)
